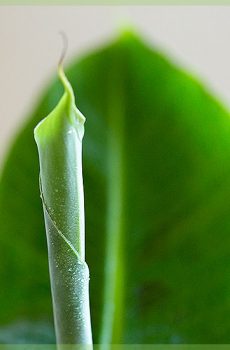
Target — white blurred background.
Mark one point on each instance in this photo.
(196, 37)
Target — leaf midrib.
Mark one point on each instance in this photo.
(113, 297)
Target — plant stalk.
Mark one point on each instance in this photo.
(59, 140)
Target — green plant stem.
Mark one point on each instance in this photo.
(59, 140)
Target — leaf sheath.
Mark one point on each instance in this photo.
(59, 140)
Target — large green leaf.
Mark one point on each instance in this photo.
(157, 185)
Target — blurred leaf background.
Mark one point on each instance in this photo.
(173, 141)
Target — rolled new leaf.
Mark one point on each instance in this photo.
(59, 140)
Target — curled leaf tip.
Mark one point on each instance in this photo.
(64, 48)
(61, 72)
(67, 86)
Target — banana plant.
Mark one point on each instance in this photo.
(156, 164)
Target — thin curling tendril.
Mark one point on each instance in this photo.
(64, 48)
